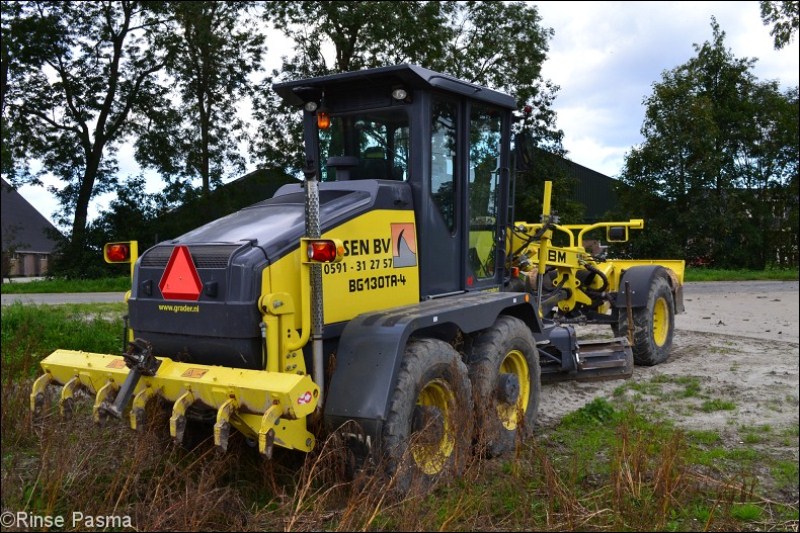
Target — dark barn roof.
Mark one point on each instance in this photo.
(24, 229)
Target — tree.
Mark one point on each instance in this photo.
(720, 150)
(85, 92)
(133, 215)
(214, 49)
(448, 37)
(785, 19)
(28, 39)
(361, 34)
(511, 62)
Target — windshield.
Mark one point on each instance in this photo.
(366, 145)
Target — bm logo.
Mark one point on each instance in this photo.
(556, 256)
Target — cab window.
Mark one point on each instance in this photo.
(367, 145)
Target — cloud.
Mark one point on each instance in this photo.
(606, 56)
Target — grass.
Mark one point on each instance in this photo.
(606, 467)
(717, 405)
(31, 332)
(120, 284)
(716, 274)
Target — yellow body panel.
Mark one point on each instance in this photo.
(379, 268)
(678, 266)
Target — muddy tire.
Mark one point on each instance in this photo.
(427, 433)
(505, 374)
(653, 325)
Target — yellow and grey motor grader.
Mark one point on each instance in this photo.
(388, 292)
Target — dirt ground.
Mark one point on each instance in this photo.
(739, 342)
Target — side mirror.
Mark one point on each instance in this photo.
(617, 234)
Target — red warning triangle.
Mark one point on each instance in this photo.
(180, 280)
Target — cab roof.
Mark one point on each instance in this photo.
(408, 76)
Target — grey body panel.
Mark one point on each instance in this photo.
(372, 346)
(408, 76)
(640, 279)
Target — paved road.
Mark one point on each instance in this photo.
(757, 309)
(65, 298)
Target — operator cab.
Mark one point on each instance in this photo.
(445, 139)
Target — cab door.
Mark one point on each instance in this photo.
(461, 219)
(441, 205)
(486, 196)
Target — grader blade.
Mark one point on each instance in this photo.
(601, 360)
(267, 407)
(594, 361)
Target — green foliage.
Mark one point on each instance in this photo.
(212, 49)
(719, 274)
(118, 284)
(717, 405)
(785, 19)
(747, 512)
(133, 215)
(716, 178)
(705, 437)
(598, 411)
(447, 37)
(87, 87)
(785, 473)
(31, 332)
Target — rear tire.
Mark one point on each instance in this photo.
(505, 374)
(427, 434)
(653, 325)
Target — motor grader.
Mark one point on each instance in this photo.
(386, 295)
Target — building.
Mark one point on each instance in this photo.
(595, 191)
(29, 239)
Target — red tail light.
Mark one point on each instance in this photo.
(324, 251)
(117, 252)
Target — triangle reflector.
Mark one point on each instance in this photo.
(180, 280)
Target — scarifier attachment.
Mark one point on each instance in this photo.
(268, 407)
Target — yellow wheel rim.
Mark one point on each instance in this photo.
(660, 322)
(430, 456)
(511, 413)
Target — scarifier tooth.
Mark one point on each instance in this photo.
(67, 401)
(222, 429)
(37, 393)
(177, 422)
(139, 406)
(266, 435)
(269, 444)
(103, 399)
(222, 432)
(67, 407)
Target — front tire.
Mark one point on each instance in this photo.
(505, 374)
(427, 434)
(653, 325)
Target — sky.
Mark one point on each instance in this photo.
(605, 57)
